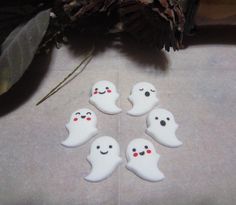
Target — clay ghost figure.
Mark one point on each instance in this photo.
(104, 97)
(143, 97)
(104, 158)
(142, 160)
(162, 127)
(81, 127)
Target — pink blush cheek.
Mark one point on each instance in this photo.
(95, 93)
(135, 154)
(75, 119)
(109, 91)
(88, 118)
(149, 151)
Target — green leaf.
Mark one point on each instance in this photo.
(19, 48)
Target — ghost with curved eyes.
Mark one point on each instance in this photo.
(104, 97)
(142, 160)
(162, 127)
(104, 158)
(81, 127)
(143, 97)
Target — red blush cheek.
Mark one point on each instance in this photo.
(149, 151)
(88, 118)
(135, 154)
(95, 93)
(75, 119)
(109, 91)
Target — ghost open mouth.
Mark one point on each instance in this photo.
(163, 123)
(102, 92)
(141, 163)
(103, 152)
(162, 127)
(147, 94)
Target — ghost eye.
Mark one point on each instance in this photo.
(78, 113)
(153, 90)
(88, 113)
(156, 118)
(107, 88)
(168, 118)
(96, 89)
(134, 150)
(146, 147)
(141, 89)
(110, 146)
(98, 147)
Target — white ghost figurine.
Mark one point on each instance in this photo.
(143, 159)
(104, 97)
(81, 127)
(104, 158)
(143, 97)
(162, 127)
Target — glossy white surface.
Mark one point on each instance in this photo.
(104, 158)
(104, 96)
(143, 160)
(162, 127)
(143, 98)
(81, 127)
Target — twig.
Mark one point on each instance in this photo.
(64, 81)
(64, 84)
(70, 74)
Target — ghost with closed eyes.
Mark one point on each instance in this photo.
(104, 96)
(81, 127)
(143, 98)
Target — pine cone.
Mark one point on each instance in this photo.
(78, 9)
(158, 23)
(84, 14)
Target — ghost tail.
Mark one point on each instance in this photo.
(153, 176)
(96, 175)
(106, 107)
(173, 143)
(138, 110)
(111, 109)
(165, 140)
(73, 141)
(135, 111)
(99, 173)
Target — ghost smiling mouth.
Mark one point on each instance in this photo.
(103, 152)
(102, 92)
